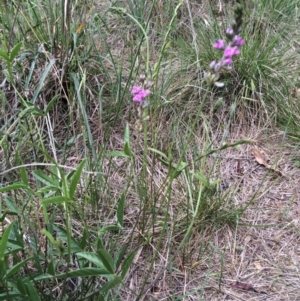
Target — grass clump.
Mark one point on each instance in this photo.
(126, 146)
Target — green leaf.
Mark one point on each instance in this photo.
(49, 236)
(158, 152)
(109, 285)
(106, 260)
(103, 230)
(21, 287)
(45, 179)
(42, 80)
(24, 176)
(119, 256)
(120, 211)
(9, 295)
(127, 263)
(4, 240)
(51, 268)
(127, 149)
(15, 51)
(51, 103)
(12, 206)
(117, 154)
(4, 55)
(55, 200)
(14, 186)
(62, 233)
(85, 238)
(85, 272)
(75, 179)
(32, 292)
(13, 270)
(91, 257)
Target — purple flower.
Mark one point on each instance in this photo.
(139, 95)
(230, 51)
(136, 90)
(227, 61)
(229, 31)
(238, 41)
(219, 45)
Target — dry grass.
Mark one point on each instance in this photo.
(253, 236)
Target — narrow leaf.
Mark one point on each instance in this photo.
(91, 257)
(117, 154)
(13, 270)
(55, 200)
(109, 285)
(107, 260)
(4, 55)
(51, 103)
(13, 187)
(42, 80)
(15, 51)
(4, 241)
(127, 263)
(75, 179)
(85, 272)
(120, 211)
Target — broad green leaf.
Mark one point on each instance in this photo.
(4, 240)
(120, 211)
(75, 179)
(127, 263)
(13, 187)
(4, 55)
(15, 51)
(55, 200)
(117, 154)
(107, 260)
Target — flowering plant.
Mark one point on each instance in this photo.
(230, 50)
(139, 94)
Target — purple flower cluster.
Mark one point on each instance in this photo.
(230, 50)
(141, 92)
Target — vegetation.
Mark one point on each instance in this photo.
(149, 150)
